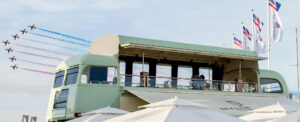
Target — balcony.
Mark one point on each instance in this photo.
(187, 83)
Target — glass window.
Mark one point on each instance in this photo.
(59, 77)
(72, 76)
(184, 75)
(61, 98)
(206, 72)
(99, 75)
(137, 69)
(270, 86)
(163, 74)
(122, 71)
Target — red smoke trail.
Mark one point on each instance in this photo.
(42, 64)
(39, 71)
(37, 55)
(45, 50)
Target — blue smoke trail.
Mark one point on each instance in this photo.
(68, 36)
(63, 40)
(46, 43)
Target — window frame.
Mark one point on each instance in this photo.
(66, 75)
(57, 98)
(63, 78)
(281, 88)
(108, 82)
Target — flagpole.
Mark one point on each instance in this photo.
(297, 61)
(242, 37)
(268, 34)
(233, 40)
(253, 33)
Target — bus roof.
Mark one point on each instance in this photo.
(90, 60)
(153, 44)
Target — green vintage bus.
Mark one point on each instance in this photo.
(126, 72)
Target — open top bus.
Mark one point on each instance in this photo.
(126, 72)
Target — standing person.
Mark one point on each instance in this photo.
(202, 82)
(196, 82)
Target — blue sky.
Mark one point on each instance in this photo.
(196, 21)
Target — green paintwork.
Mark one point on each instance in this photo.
(191, 47)
(89, 59)
(86, 97)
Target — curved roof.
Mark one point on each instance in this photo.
(90, 60)
(209, 50)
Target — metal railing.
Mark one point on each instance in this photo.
(187, 83)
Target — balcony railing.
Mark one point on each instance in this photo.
(187, 83)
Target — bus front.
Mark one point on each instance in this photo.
(84, 83)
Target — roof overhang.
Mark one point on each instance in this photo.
(178, 50)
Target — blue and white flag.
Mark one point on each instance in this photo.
(258, 23)
(275, 22)
(247, 38)
(259, 45)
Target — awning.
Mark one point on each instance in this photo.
(236, 105)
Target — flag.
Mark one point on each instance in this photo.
(237, 42)
(258, 23)
(275, 22)
(246, 38)
(274, 5)
(247, 33)
(259, 45)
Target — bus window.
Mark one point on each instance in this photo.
(61, 98)
(72, 76)
(270, 86)
(59, 77)
(99, 75)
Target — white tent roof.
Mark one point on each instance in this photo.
(293, 117)
(106, 110)
(175, 110)
(99, 115)
(276, 108)
(269, 112)
(173, 102)
(262, 116)
(237, 105)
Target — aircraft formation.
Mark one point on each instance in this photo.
(38, 35)
(10, 50)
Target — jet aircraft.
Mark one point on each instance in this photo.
(32, 27)
(24, 31)
(12, 59)
(9, 50)
(14, 66)
(15, 36)
(6, 42)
